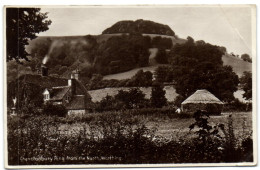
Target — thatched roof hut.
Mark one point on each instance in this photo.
(202, 100)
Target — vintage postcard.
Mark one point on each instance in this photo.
(130, 86)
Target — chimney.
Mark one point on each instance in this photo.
(72, 84)
(44, 70)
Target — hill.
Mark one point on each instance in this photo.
(112, 54)
(238, 65)
(139, 26)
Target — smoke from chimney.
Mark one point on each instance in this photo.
(53, 45)
(45, 59)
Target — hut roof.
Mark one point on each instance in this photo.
(202, 96)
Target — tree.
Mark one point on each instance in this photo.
(223, 49)
(132, 98)
(200, 66)
(161, 56)
(246, 83)
(121, 53)
(94, 81)
(246, 57)
(219, 80)
(108, 103)
(22, 25)
(163, 74)
(26, 94)
(190, 39)
(158, 98)
(178, 100)
(141, 79)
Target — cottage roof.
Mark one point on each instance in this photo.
(77, 102)
(202, 96)
(57, 93)
(81, 90)
(43, 81)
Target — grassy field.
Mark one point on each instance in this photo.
(175, 128)
(98, 95)
(127, 137)
(238, 65)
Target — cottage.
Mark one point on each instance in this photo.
(73, 96)
(202, 100)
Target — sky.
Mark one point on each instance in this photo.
(227, 26)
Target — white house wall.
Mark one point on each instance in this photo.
(76, 112)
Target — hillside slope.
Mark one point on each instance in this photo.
(238, 65)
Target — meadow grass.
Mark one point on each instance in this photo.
(127, 137)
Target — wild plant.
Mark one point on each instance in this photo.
(208, 142)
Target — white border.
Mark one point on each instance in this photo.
(99, 2)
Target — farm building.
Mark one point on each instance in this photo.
(73, 96)
(202, 100)
(30, 88)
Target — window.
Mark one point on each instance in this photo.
(46, 96)
(67, 98)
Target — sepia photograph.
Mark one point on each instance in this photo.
(130, 86)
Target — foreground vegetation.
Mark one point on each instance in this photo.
(129, 137)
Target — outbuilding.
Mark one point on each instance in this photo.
(202, 100)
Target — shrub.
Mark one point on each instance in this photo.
(51, 109)
(208, 140)
(237, 105)
(158, 98)
(132, 98)
(161, 56)
(178, 100)
(109, 103)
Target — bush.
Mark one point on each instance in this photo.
(158, 98)
(109, 103)
(131, 99)
(161, 57)
(236, 105)
(178, 100)
(54, 110)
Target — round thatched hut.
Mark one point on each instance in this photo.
(202, 100)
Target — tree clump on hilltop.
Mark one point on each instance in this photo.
(139, 26)
(246, 57)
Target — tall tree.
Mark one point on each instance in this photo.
(158, 98)
(161, 56)
(132, 98)
(22, 25)
(199, 65)
(163, 74)
(246, 83)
